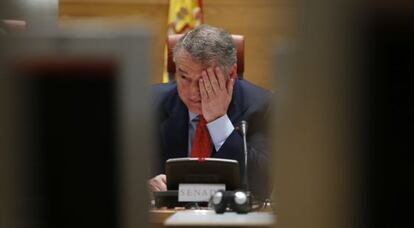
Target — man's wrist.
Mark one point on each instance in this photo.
(219, 130)
(212, 118)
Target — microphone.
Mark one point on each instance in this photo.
(243, 131)
(239, 201)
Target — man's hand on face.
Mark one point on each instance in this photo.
(158, 183)
(216, 90)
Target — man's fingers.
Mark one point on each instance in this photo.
(163, 178)
(207, 84)
(203, 92)
(162, 186)
(213, 80)
(162, 182)
(220, 77)
(158, 183)
(155, 188)
(229, 86)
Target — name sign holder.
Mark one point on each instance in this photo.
(198, 192)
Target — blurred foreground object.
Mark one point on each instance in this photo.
(316, 121)
(8, 26)
(388, 56)
(343, 140)
(34, 15)
(73, 114)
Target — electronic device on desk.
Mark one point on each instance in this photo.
(197, 178)
(208, 170)
(239, 201)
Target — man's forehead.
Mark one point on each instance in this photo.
(192, 67)
(185, 60)
(189, 67)
(184, 57)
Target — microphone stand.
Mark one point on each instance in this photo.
(243, 129)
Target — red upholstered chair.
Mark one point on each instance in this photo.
(238, 42)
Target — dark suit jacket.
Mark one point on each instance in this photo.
(249, 103)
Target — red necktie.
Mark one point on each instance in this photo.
(201, 147)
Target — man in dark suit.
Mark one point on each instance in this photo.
(207, 88)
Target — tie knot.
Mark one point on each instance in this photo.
(202, 121)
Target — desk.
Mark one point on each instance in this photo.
(208, 218)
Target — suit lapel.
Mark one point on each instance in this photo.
(175, 129)
(235, 107)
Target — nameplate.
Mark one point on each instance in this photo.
(198, 192)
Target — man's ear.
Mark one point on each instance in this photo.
(233, 71)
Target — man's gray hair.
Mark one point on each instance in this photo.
(208, 45)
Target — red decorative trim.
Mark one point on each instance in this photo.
(186, 26)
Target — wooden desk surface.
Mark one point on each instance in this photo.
(158, 216)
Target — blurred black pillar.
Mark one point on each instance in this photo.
(388, 51)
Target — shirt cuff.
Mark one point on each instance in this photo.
(220, 129)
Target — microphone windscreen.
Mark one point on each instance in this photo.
(243, 126)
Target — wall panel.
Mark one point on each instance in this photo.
(262, 22)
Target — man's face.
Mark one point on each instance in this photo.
(187, 75)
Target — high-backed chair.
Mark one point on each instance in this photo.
(238, 42)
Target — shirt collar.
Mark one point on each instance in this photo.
(192, 116)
